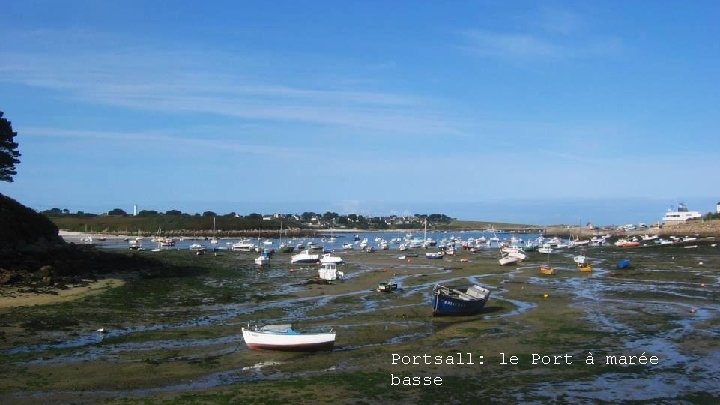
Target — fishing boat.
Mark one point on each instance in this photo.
(264, 258)
(545, 268)
(459, 301)
(387, 286)
(582, 263)
(284, 337)
(329, 272)
(585, 267)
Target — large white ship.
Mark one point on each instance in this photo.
(682, 214)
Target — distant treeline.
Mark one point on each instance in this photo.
(152, 222)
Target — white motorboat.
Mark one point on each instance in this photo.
(507, 259)
(304, 257)
(243, 246)
(284, 337)
(331, 258)
(545, 249)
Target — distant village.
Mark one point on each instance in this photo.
(309, 220)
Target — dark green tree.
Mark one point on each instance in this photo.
(8, 150)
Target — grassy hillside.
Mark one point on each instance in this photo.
(480, 225)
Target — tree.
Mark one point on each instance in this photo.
(8, 150)
(117, 211)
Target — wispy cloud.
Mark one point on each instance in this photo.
(545, 34)
(197, 81)
(170, 140)
(514, 46)
(557, 20)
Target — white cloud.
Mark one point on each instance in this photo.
(151, 78)
(511, 45)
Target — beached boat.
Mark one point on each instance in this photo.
(508, 259)
(284, 337)
(545, 249)
(387, 286)
(264, 257)
(585, 267)
(546, 269)
(304, 257)
(329, 272)
(434, 255)
(331, 258)
(285, 248)
(582, 263)
(459, 301)
(625, 243)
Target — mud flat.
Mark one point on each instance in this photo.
(540, 338)
(11, 297)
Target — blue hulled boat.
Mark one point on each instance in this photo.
(459, 301)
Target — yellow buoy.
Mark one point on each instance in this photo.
(546, 295)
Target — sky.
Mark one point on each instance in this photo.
(538, 112)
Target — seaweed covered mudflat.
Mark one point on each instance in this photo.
(645, 333)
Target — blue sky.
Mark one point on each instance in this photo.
(536, 112)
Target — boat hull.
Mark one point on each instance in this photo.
(546, 270)
(623, 264)
(289, 342)
(444, 304)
